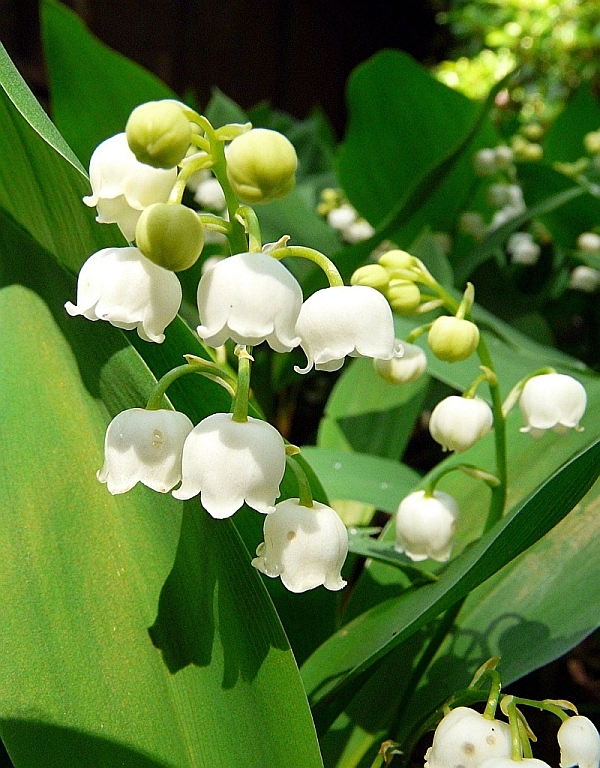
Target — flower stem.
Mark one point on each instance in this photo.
(302, 252)
(252, 225)
(239, 407)
(194, 365)
(305, 496)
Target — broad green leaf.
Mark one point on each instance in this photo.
(93, 89)
(564, 140)
(147, 639)
(360, 477)
(331, 672)
(221, 110)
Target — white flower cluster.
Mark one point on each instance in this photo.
(523, 249)
(489, 160)
(469, 739)
(352, 228)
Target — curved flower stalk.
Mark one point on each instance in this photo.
(343, 320)
(425, 526)
(230, 462)
(125, 288)
(305, 546)
(465, 737)
(250, 298)
(122, 186)
(552, 401)
(145, 447)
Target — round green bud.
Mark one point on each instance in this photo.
(159, 133)
(170, 236)
(261, 166)
(373, 275)
(452, 339)
(591, 142)
(404, 296)
(396, 259)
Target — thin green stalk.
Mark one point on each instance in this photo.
(197, 365)
(305, 496)
(302, 252)
(239, 407)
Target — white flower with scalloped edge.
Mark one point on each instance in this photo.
(125, 288)
(229, 462)
(457, 423)
(425, 526)
(250, 298)
(305, 546)
(466, 738)
(508, 762)
(579, 743)
(408, 364)
(552, 401)
(353, 320)
(143, 446)
(122, 186)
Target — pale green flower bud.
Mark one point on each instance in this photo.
(452, 339)
(170, 236)
(397, 259)
(591, 142)
(373, 275)
(159, 133)
(261, 166)
(404, 296)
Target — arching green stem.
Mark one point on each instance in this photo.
(304, 490)
(194, 365)
(494, 695)
(300, 251)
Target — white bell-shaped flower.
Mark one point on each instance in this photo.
(552, 401)
(408, 364)
(353, 320)
(144, 446)
(125, 288)
(457, 423)
(250, 298)
(466, 738)
(229, 462)
(579, 743)
(585, 279)
(425, 526)
(305, 546)
(507, 762)
(122, 186)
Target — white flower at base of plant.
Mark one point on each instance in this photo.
(408, 364)
(552, 401)
(125, 288)
(585, 279)
(457, 423)
(305, 546)
(425, 526)
(523, 249)
(250, 298)
(353, 320)
(579, 743)
(145, 447)
(466, 738)
(229, 463)
(122, 186)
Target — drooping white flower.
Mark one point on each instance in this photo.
(508, 762)
(589, 242)
(408, 364)
(125, 288)
(353, 320)
(457, 423)
(305, 546)
(358, 231)
(145, 447)
(466, 738)
(229, 462)
(552, 401)
(250, 298)
(122, 186)
(342, 217)
(523, 249)
(585, 279)
(425, 526)
(579, 743)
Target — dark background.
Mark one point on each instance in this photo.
(294, 53)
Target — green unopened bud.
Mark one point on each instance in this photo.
(397, 259)
(591, 142)
(170, 236)
(452, 339)
(373, 275)
(261, 166)
(159, 133)
(404, 296)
